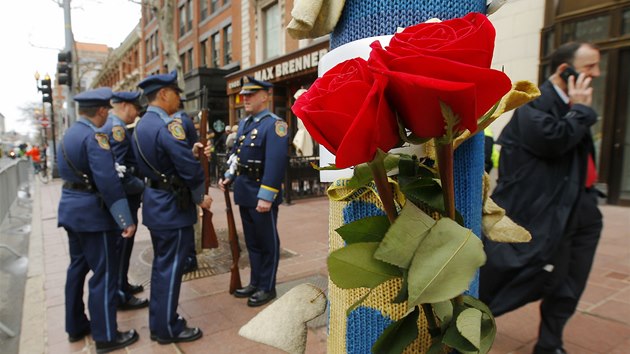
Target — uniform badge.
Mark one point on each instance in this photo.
(102, 140)
(281, 128)
(177, 130)
(118, 132)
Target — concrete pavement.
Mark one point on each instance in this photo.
(601, 326)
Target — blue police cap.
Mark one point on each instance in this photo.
(125, 96)
(155, 82)
(94, 98)
(251, 85)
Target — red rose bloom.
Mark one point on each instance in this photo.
(346, 111)
(447, 61)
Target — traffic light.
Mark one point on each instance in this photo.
(46, 90)
(64, 68)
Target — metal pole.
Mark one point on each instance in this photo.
(69, 46)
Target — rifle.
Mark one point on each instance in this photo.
(235, 276)
(208, 235)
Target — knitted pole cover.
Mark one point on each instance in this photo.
(357, 331)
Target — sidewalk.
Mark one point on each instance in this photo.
(601, 326)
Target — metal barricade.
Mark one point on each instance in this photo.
(12, 175)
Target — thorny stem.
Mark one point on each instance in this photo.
(377, 166)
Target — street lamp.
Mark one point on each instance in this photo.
(45, 87)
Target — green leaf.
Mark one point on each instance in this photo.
(401, 297)
(451, 120)
(481, 121)
(455, 340)
(444, 312)
(468, 324)
(444, 263)
(488, 325)
(370, 229)
(436, 348)
(404, 236)
(354, 266)
(398, 335)
(362, 173)
(330, 167)
(424, 191)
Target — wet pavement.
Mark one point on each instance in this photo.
(602, 324)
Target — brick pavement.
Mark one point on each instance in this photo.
(601, 326)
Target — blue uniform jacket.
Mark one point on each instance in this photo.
(81, 211)
(120, 142)
(265, 139)
(163, 142)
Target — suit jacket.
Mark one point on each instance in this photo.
(542, 170)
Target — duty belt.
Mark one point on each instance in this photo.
(79, 186)
(253, 169)
(159, 184)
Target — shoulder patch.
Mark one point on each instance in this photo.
(102, 140)
(177, 130)
(118, 133)
(281, 128)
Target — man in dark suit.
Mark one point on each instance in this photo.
(258, 163)
(546, 184)
(93, 209)
(175, 183)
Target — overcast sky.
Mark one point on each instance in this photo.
(32, 33)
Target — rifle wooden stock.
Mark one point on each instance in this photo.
(235, 276)
(208, 234)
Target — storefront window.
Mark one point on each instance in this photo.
(589, 30)
(272, 28)
(625, 29)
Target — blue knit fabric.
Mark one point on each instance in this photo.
(368, 18)
(365, 325)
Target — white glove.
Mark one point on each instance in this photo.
(120, 169)
(231, 162)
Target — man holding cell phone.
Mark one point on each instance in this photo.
(546, 184)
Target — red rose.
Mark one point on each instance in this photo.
(346, 111)
(447, 61)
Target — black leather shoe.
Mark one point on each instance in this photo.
(187, 335)
(77, 337)
(134, 289)
(133, 304)
(245, 292)
(261, 297)
(122, 340)
(538, 350)
(190, 265)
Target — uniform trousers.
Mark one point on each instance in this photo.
(574, 260)
(263, 245)
(124, 247)
(170, 249)
(94, 251)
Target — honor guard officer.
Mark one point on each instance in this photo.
(93, 209)
(257, 166)
(125, 110)
(175, 183)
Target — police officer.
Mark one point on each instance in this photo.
(175, 183)
(258, 163)
(190, 263)
(93, 209)
(125, 110)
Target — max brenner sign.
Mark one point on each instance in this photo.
(284, 68)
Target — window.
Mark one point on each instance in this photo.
(591, 29)
(204, 53)
(182, 21)
(214, 51)
(203, 9)
(189, 15)
(271, 27)
(147, 48)
(191, 61)
(227, 45)
(182, 60)
(625, 28)
(214, 6)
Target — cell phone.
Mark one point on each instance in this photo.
(569, 71)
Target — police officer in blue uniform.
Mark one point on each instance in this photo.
(175, 183)
(93, 209)
(125, 110)
(190, 263)
(257, 167)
